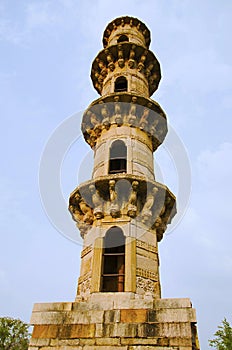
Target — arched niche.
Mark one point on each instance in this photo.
(118, 157)
(113, 261)
(123, 38)
(120, 84)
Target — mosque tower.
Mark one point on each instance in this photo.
(122, 213)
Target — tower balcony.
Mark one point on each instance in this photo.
(136, 64)
(122, 198)
(129, 29)
(128, 109)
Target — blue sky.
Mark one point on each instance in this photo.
(47, 48)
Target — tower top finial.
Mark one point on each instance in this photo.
(124, 24)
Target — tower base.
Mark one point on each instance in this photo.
(115, 321)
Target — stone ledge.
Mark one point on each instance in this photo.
(72, 317)
(59, 306)
(172, 303)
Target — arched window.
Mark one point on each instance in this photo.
(120, 84)
(122, 38)
(118, 157)
(113, 272)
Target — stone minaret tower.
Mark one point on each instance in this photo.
(122, 214)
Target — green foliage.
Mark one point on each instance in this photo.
(223, 340)
(14, 334)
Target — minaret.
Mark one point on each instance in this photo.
(122, 213)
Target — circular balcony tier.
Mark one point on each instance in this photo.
(124, 109)
(123, 197)
(125, 59)
(133, 28)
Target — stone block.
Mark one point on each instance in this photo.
(172, 303)
(180, 341)
(172, 315)
(138, 341)
(104, 300)
(87, 341)
(170, 329)
(112, 316)
(135, 316)
(53, 348)
(84, 317)
(62, 348)
(66, 306)
(108, 341)
(39, 342)
(45, 331)
(102, 347)
(67, 342)
(119, 330)
(144, 347)
(77, 331)
(52, 317)
(141, 304)
(99, 330)
(122, 300)
(147, 330)
(33, 348)
(54, 342)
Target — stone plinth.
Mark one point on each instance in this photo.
(115, 321)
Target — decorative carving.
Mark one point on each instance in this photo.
(147, 274)
(84, 287)
(147, 285)
(117, 111)
(146, 246)
(123, 201)
(110, 61)
(132, 202)
(146, 212)
(160, 227)
(121, 61)
(132, 112)
(83, 228)
(105, 116)
(131, 61)
(153, 129)
(143, 121)
(86, 251)
(114, 208)
(148, 70)
(141, 64)
(102, 67)
(87, 211)
(97, 202)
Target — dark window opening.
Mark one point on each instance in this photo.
(120, 84)
(118, 158)
(113, 261)
(122, 38)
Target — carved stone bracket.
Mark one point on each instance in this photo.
(137, 59)
(122, 196)
(124, 109)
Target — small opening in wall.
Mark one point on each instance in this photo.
(113, 261)
(118, 157)
(120, 84)
(122, 38)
